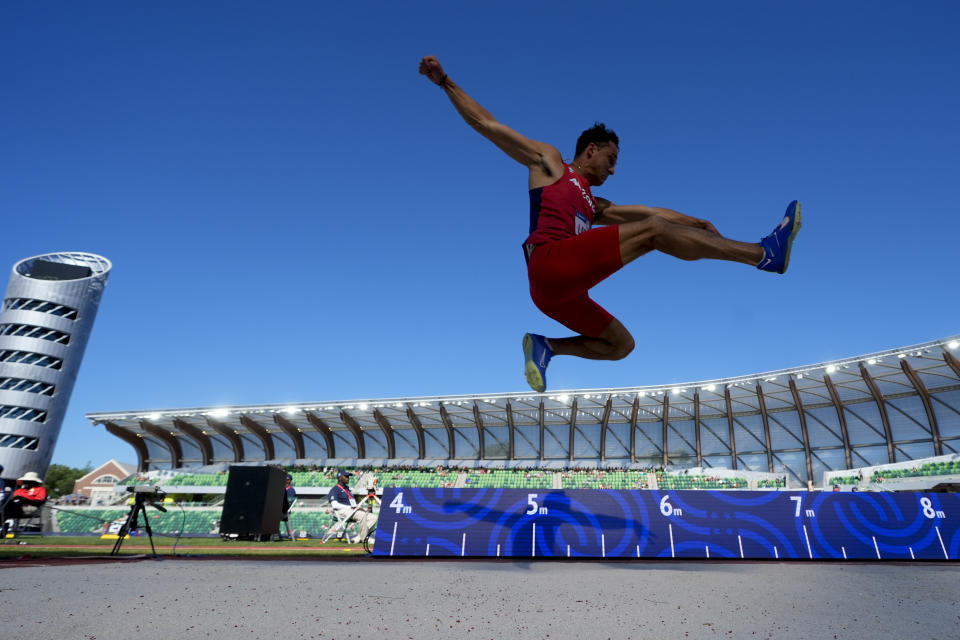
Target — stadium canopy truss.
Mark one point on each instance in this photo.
(893, 406)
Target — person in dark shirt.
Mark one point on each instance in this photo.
(345, 505)
(289, 496)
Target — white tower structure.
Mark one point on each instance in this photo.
(45, 322)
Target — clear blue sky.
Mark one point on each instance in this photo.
(295, 215)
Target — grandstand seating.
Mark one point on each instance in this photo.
(196, 480)
(509, 479)
(314, 478)
(775, 483)
(945, 468)
(844, 480)
(139, 479)
(539, 479)
(195, 521)
(426, 479)
(685, 481)
(605, 480)
(83, 520)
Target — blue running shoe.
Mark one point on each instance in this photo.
(776, 246)
(536, 356)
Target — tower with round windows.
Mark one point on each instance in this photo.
(45, 321)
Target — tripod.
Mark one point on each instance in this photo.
(139, 506)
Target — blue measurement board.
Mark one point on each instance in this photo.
(580, 523)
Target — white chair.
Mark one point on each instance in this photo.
(343, 526)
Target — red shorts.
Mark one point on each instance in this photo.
(562, 272)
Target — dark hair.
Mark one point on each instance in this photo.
(598, 134)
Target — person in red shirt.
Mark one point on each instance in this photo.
(568, 254)
(25, 501)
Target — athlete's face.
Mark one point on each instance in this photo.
(603, 162)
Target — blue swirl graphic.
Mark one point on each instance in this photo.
(622, 522)
(771, 529)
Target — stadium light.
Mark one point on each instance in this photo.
(831, 368)
(154, 416)
(220, 413)
(953, 344)
(563, 397)
(363, 406)
(872, 361)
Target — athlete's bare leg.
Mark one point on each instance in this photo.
(615, 343)
(636, 239)
(684, 242)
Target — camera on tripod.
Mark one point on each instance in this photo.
(143, 494)
(145, 489)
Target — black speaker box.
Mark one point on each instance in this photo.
(253, 504)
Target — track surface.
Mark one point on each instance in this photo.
(367, 598)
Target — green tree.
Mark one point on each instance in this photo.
(60, 479)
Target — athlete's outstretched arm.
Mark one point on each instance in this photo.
(610, 213)
(538, 156)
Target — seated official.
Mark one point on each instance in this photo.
(343, 503)
(26, 500)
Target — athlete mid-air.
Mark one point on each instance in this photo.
(568, 254)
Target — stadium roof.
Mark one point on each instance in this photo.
(889, 406)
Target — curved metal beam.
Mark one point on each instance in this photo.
(357, 432)
(952, 362)
(733, 440)
(324, 430)
(479, 420)
(258, 430)
(604, 421)
(448, 425)
(510, 432)
(542, 423)
(838, 404)
(803, 430)
(634, 412)
(198, 436)
(696, 425)
(882, 406)
(176, 451)
(766, 427)
(230, 435)
(388, 434)
(135, 441)
(419, 430)
(573, 428)
(664, 422)
(927, 405)
(293, 431)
